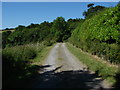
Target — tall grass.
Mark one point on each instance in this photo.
(17, 62)
(106, 71)
(20, 56)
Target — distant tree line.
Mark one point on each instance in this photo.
(57, 31)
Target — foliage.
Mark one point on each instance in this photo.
(72, 24)
(90, 5)
(23, 46)
(18, 64)
(33, 33)
(105, 70)
(4, 38)
(17, 57)
(100, 35)
(59, 29)
(92, 10)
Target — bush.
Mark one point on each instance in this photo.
(100, 35)
(17, 57)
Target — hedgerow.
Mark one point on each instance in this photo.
(100, 34)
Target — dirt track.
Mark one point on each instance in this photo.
(64, 70)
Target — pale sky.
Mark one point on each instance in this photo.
(60, 0)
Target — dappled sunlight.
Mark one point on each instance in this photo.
(67, 79)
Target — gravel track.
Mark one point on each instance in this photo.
(64, 70)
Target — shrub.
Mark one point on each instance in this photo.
(100, 35)
(18, 57)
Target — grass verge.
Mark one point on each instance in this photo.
(42, 55)
(107, 72)
(21, 64)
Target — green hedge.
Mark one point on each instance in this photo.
(100, 35)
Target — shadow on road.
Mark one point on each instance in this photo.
(21, 78)
(54, 79)
(67, 79)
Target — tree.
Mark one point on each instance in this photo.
(90, 5)
(32, 25)
(59, 28)
(92, 10)
(5, 38)
(20, 27)
(118, 3)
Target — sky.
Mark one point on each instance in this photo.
(60, 0)
(25, 13)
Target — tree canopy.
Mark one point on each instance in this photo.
(92, 10)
